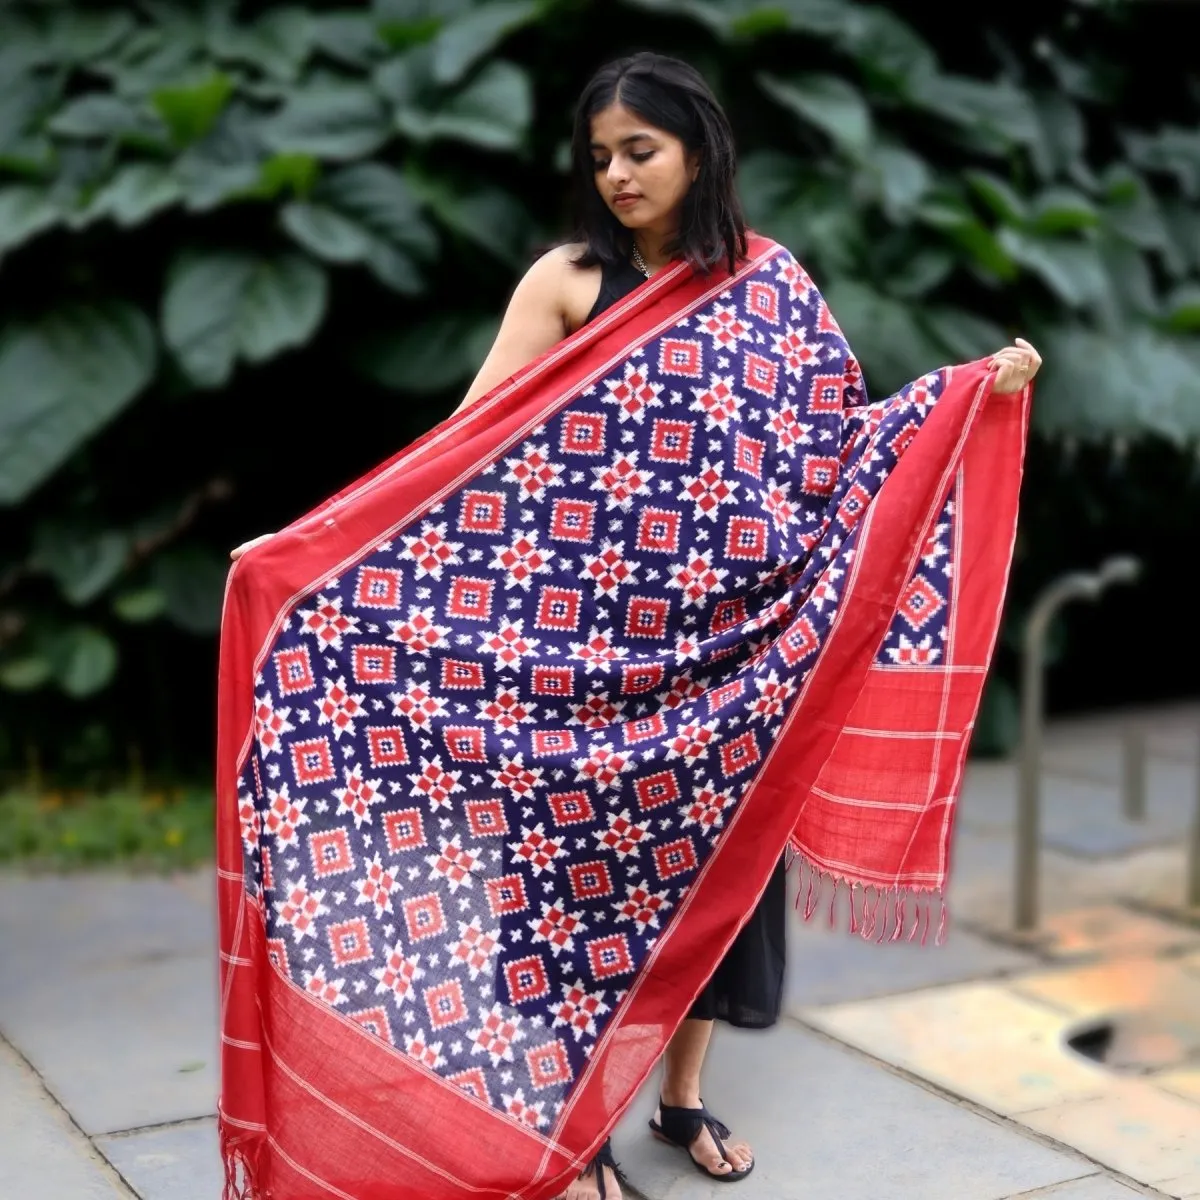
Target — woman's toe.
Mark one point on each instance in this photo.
(740, 1156)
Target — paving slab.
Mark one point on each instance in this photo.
(1093, 1187)
(826, 966)
(825, 1123)
(978, 1040)
(1152, 1004)
(1184, 1081)
(1083, 816)
(176, 1162)
(1185, 1188)
(115, 1004)
(42, 1155)
(1110, 930)
(1134, 1128)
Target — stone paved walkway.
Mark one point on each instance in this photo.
(899, 1071)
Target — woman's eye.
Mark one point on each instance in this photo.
(643, 156)
(597, 165)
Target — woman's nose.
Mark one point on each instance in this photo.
(618, 173)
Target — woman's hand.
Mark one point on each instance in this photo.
(237, 553)
(1016, 366)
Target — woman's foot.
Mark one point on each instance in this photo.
(587, 1186)
(599, 1180)
(704, 1149)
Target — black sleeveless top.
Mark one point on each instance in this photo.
(746, 988)
(616, 282)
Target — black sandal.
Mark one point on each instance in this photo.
(604, 1158)
(681, 1126)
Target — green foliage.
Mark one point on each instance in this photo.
(248, 249)
(147, 830)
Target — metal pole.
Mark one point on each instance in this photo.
(1075, 586)
(1133, 773)
(1192, 893)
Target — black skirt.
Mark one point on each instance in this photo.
(746, 989)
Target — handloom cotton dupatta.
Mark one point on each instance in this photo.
(514, 730)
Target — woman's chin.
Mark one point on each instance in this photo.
(631, 220)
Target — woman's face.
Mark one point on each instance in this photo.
(641, 172)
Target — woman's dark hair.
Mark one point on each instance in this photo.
(670, 95)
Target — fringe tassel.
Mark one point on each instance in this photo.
(875, 914)
(814, 894)
(240, 1159)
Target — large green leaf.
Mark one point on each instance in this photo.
(886, 335)
(277, 43)
(349, 37)
(1071, 270)
(136, 192)
(1183, 309)
(999, 195)
(1061, 209)
(25, 99)
(138, 605)
(25, 673)
(325, 232)
(493, 111)
(96, 115)
(963, 335)
(767, 180)
(1182, 222)
(997, 115)
(284, 301)
(1064, 136)
(191, 110)
(733, 20)
(231, 161)
(365, 213)
(903, 179)
(62, 379)
(1132, 209)
(192, 582)
(489, 217)
(829, 102)
(1173, 150)
(920, 273)
(462, 42)
(719, 15)
(219, 307)
(23, 46)
(82, 561)
(76, 35)
(984, 252)
(381, 200)
(201, 309)
(1132, 291)
(331, 120)
(25, 211)
(1094, 385)
(84, 660)
(888, 49)
(428, 356)
(164, 55)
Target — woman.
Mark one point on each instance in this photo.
(655, 164)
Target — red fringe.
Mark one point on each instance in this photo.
(875, 914)
(239, 1152)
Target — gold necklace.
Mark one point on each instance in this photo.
(640, 262)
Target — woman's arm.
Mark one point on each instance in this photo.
(534, 321)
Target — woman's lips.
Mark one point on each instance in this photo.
(626, 200)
